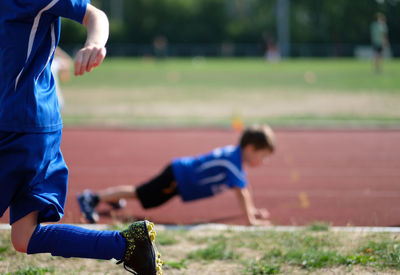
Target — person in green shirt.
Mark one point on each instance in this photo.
(379, 39)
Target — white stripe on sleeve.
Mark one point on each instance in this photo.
(220, 162)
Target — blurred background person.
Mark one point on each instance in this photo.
(379, 40)
(160, 45)
(272, 53)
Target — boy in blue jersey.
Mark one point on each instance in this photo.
(33, 174)
(197, 177)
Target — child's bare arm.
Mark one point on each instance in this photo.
(254, 216)
(94, 51)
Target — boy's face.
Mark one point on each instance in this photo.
(253, 157)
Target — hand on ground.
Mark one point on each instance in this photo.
(262, 213)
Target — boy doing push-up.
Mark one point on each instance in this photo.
(196, 177)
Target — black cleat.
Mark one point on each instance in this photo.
(141, 255)
(87, 203)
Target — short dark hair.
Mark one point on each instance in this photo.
(260, 136)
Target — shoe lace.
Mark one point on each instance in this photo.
(127, 268)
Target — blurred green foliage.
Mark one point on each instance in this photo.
(239, 21)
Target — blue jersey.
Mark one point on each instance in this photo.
(206, 175)
(29, 34)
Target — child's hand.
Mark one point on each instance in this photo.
(259, 217)
(89, 57)
(261, 213)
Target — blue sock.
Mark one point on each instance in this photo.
(74, 241)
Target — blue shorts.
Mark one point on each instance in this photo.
(33, 175)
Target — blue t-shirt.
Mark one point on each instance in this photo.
(29, 34)
(206, 175)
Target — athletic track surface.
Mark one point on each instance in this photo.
(343, 177)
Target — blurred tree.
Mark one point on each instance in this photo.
(339, 21)
(240, 21)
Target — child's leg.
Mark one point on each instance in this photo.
(133, 247)
(34, 186)
(65, 240)
(22, 230)
(154, 192)
(114, 194)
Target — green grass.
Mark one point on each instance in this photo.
(385, 252)
(33, 271)
(193, 92)
(167, 238)
(319, 226)
(175, 265)
(330, 74)
(314, 250)
(261, 268)
(213, 251)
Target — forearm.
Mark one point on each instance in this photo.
(97, 26)
(247, 204)
(254, 216)
(94, 51)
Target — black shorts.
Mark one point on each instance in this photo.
(158, 190)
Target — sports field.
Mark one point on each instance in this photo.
(195, 92)
(337, 161)
(297, 94)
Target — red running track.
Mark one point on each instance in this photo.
(343, 177)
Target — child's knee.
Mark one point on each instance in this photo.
(19, 241)
(22, 230)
